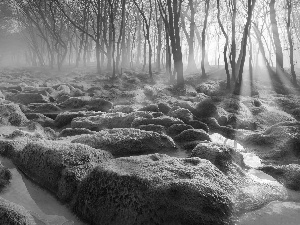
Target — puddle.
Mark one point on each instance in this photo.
(41, 204)
(275, 213)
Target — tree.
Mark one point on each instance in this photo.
(207, 3)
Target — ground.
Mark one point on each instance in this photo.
(100, 144)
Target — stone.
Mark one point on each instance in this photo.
(99, 104)
(165, 121)
(127, 141)
(183, 114)
(177, 129)
(155, 189)
(65, 118)
(74, 131)
(11, 114)
(164, 108)
(5, 176)
(13, 214)
(151, 127)
(27, 98)
(192, 135)
(206, 108)
(45, 162)
(198, 125)
(150, 108)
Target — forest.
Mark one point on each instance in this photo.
(156, 112)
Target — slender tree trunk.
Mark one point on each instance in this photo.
(207, 2)
(278, 47)
(233, 43)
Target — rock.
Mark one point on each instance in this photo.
(5, 176)
(46, 161)
(28, 98)
(288, 175)
(33, 131)
(41, 119)
(127, 141)
(46, 108)
(74, 103)
(63, 89)
(150, 108)
(185, 105)
(2, 95)
(183, 114)
(10, 148)
(122, 109)
(74, 131)
(257, 103)
(11, 114)
(155, 189)
(99, 104)
(192, 135)
(151, 127)
(210, 88)
(198, 125)
(178, 128)
(65, 118)
(108, 120)
(218, 154)
(280, 142)
(164, 108)
(165, 121)
(206, 108)
(13, 214)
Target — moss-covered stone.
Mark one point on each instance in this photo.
(45, 161)
(99, 104)
(155, 189)
(178, 128)
(150, 108)
(5, 176)
(65, 118)
(11, 114)
(198, 125)
(183, 114)
(108, 120)
(28, 98)
(74, 131)
(192, 135)
(127, 141)
(13, 214)
(10, 148)
(165, 121)
(288, 175)
(206, 108)
(151, 127)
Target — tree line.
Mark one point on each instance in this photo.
(160, 34)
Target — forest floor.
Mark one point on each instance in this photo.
(136, 150)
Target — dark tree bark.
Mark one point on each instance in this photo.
(278, 47)
(207, 3)
(233, 42)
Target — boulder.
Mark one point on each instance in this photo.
(177, 129)
(206, 108)
(192, 135)
(150, 108)
(99, 104)
(210, 88)
(155, 189)
(5, 176)
(127, 141)
(46, 161)
(41, 119)
(288, 175)
(11, 114)
(65, 118)
(108, 120)
(183, 114)
(74, 103)
(218, 154)
(165, 121)
(198, 125)
(164, 108)
(151, 127)
(74, 131)
(13, 214)
(46, 108)
(63, 89)
(122, 109)
(10, 148)
(2, 95)
(279, 142)
(28, 98)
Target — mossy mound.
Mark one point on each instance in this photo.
(10, 148)
(198, 125)
(151, 127)
(150, 108)
(192, 135)
(11, 114)
(5, 176)
(165, 121)
(127, 141)
(46, 108)
(108, 120)
(206, 108)
(99, 104)
(65, 118)
(41, 119)
(177, 129)
(211, 88)
(13, 214)
(28, 98)
(45, 162)
(288, 175)
(155, 189)
(279, 142)
(74, 131)
(183, 114)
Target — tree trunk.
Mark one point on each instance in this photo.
(233, 43)
(278, 47)
(207, 2)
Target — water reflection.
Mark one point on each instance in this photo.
(41, 204)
